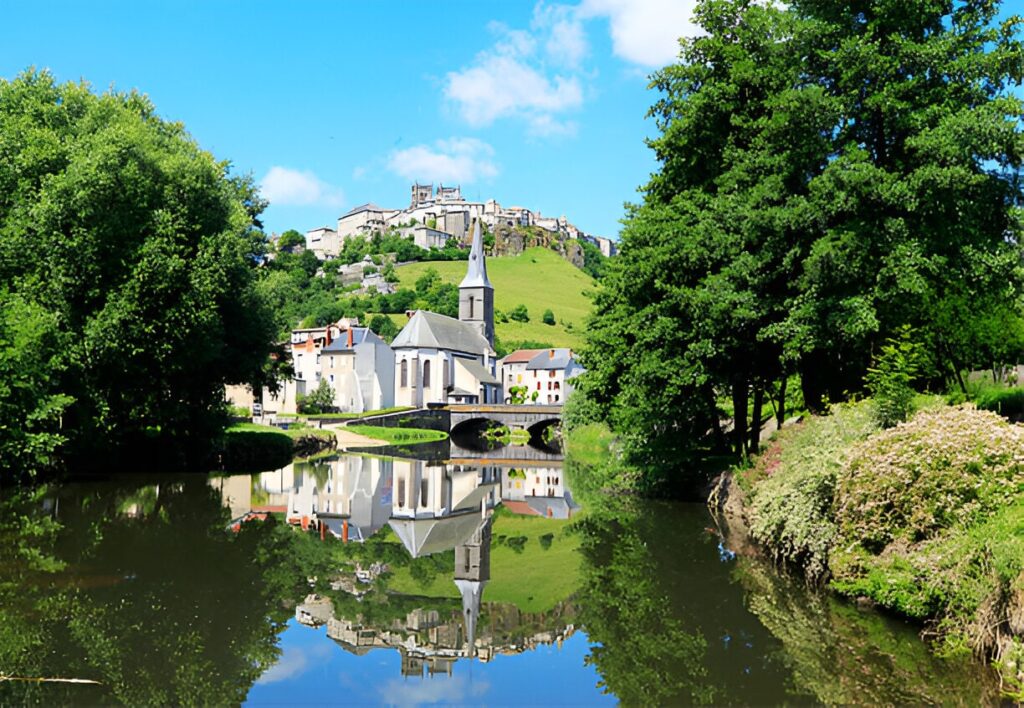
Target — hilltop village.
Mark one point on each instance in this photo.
(433, 359)
(436, 216)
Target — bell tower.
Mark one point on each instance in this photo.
(476, 294)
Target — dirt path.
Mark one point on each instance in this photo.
(347, 439)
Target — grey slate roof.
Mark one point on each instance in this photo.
(369, 206)
(422, 537)
(429, 330)
(478, 371)
(341, 343)
(476, 272)
(544, 360)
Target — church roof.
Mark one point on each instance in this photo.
(477, 371)
(422, 537)
(429, 330)
(476, 272)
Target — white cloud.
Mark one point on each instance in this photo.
(437, 690)
(566, 42)
(461, 160)
(293, 662)
(287, 187)
(645, 32)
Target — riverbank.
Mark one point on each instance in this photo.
(925, 520)
(254, 447)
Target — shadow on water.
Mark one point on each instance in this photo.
(678, 617)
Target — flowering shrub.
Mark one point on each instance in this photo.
(943, 468)
(791, 510)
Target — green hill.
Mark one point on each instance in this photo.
(538, 278)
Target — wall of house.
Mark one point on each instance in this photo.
(375, 369)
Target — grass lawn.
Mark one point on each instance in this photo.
(398, 435)
(539, 279)
(352, 416)
(294, 430)
(534, 580)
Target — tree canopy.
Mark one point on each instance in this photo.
(828, 175)
(128, 259)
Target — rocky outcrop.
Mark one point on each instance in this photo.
(513, 240)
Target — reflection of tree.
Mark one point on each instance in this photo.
(163, 607)
(643, 653)
(842, 655)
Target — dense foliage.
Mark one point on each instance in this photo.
(127, 257)
(828, 175)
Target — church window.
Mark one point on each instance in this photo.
(405, 373)
(426, 374)
(401, 492)
(472, 301)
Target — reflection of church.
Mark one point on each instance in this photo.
(431, 508)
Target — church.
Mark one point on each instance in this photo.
(439, 359)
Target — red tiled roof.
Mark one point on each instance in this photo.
(521, 356)
(520, 507)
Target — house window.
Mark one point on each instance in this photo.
(331, 377)
(551, 374)
(405, 373)
(426, 374)
(538, 385)
(558, 385)
(519, 378)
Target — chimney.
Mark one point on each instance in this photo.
(327, 343)
(349, 338)
(551, 354)
(409, 313)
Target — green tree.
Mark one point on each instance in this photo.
(384, 326)
(519, 313)
(548, 317)
(288, 241)
(141, 251)
(824, 179)
(319, 400)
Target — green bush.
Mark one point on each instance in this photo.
(1007, 402)
(548, 318)
(519, 314)
(889, 381)
(945, 467)
(791, 510)
(255, 450)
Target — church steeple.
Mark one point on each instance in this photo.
(472, 571)
(476, 294)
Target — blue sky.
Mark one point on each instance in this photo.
(333, 104)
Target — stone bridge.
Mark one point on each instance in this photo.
(531, 418)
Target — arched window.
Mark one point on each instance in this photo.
(401, 490)
(405, 373)
(426, 374)
(472, 301)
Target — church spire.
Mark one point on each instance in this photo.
(476, 294)
(476, 272)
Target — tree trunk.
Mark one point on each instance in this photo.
(755, 420)
(780, 409)
(721, 444)
(739, 416)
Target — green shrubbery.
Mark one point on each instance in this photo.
(1007, 402)
(926, 518)
(792, 507)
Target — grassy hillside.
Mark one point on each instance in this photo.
(534, 580)
(539, 279)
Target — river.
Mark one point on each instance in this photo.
(375, 579)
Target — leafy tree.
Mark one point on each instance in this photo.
(825, 179)
(593, 259)
(548, 318)
(890, 380)
(384, 326)
(519, 313)
(428, 280)
(140, 249)
(319, 400)
(289, 240)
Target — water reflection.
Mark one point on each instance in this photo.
(345, 578)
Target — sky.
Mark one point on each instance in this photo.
(334, 104)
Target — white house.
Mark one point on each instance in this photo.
(359, 367)
(323, 242)
(365, 219)
(550, 374)
(513, 368)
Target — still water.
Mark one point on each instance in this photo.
(369, 579)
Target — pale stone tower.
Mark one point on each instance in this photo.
(472, 571)
(476, 294)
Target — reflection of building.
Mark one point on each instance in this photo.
(537, 491)
(472, 571)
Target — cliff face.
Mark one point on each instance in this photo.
(513, 240)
